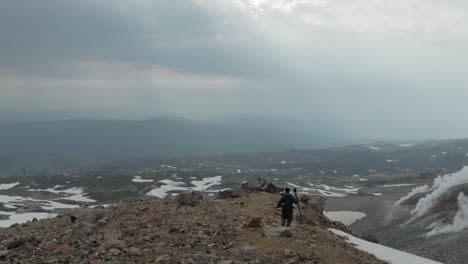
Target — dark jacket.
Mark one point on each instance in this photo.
(287, 204)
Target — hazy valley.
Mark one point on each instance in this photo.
(367, 187)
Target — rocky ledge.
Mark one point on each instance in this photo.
(191, 228)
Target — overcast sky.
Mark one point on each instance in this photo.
(367, 62)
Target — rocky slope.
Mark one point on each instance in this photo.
(190, 228)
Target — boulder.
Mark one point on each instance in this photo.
(255, 222)
(229, 194)
(4, 253)
(304, 199)
(189, 199)
(261, 185)
(14, 243)
(114, 252)
(73, 219)
(280, 231)
(134, 251)
(83, 230)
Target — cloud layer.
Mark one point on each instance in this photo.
(374, 64)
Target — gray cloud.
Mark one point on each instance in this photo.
(370, 63)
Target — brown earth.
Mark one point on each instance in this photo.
(155, 231)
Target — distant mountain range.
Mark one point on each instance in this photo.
(30, 147)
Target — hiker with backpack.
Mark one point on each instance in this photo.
(286, 203)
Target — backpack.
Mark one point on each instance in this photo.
(288, 203)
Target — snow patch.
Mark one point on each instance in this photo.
(171, 182)
(77, 194)
(23, 218)
(139, 179)
(390, 255)
(7, 186)
(163, 191)
(395, 185)
(80, 197)
(405, 145)
(73, 190)
(200, 186)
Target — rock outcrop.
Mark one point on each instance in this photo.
(260, 185)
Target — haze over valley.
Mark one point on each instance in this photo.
(165, 131)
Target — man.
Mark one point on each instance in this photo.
(287, 207)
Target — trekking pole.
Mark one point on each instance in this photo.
(274, 217)
(298, 205)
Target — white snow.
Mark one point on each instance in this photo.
(80, 197)
(347, 190)
(56, 205)
(390, 255)
(330, 194)
(171, 182)
(77, 194)
(395, 185)
(199, 186)
(6, 199)
(73, 190)
(324, 190)
(405, 145)
(346, 217)
(301, 188)
(206, 183)
(163, 191)
(391, 161)
(284, 162)
(7, 186)
(23, 218)
(140, 180)
(374, 148)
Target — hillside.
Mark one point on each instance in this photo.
(157, 231)
(34, 148)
